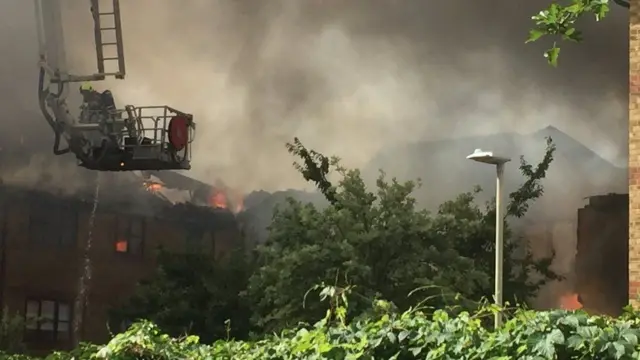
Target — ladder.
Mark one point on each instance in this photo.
(107, 24)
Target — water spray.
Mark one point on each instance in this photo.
(82, 302)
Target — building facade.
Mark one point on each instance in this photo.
(602, 257)
(43, 241)
(634, 152)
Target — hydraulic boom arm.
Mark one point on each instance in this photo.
(103, 137)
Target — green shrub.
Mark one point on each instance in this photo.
(11, 332)
(412, 335)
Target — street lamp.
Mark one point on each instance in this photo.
(487, 157)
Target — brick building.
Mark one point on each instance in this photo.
(634, 152)
(43, 238)
(601, 265)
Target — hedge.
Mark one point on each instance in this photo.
(527, 335)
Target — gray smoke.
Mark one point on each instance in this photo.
(350, 78)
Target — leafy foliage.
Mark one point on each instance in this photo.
(381, 244)
(559, 21)
(190, 293)
(527, 335)
(476, 241)
(11, 332)
(315, 168)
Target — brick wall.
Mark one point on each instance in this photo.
(634, 152)
(602, 251)
(51, 271)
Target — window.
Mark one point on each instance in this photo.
(47, 320)
(129, 235)
(53, 223)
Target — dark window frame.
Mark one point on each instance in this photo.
(53, 223)
(39, 334)
(124, 230)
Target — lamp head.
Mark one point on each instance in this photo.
(487, 157)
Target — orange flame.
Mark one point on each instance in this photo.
(152, 187)
(239, 204)
(570, 302)
(219, 200)
(121, 246)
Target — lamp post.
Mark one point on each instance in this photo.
(487, 157)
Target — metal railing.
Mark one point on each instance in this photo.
(148, 125)
(153, 128)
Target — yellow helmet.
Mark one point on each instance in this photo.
(86, 87)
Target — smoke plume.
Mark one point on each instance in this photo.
(348, 77)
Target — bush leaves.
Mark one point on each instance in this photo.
(527, 335)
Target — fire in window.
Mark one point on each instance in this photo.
(47, 320)
(129, 236)
(121, 246)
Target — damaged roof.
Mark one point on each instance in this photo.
(38, 175)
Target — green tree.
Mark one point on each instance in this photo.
(472, 231)
(190, 293)
(380, 244)
(559, 21)
(11, 332)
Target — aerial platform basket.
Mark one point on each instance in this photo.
(104, 138)
(137, 138)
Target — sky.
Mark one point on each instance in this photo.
(350, 78)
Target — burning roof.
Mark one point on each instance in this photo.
(29, 172)
(178, 189)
